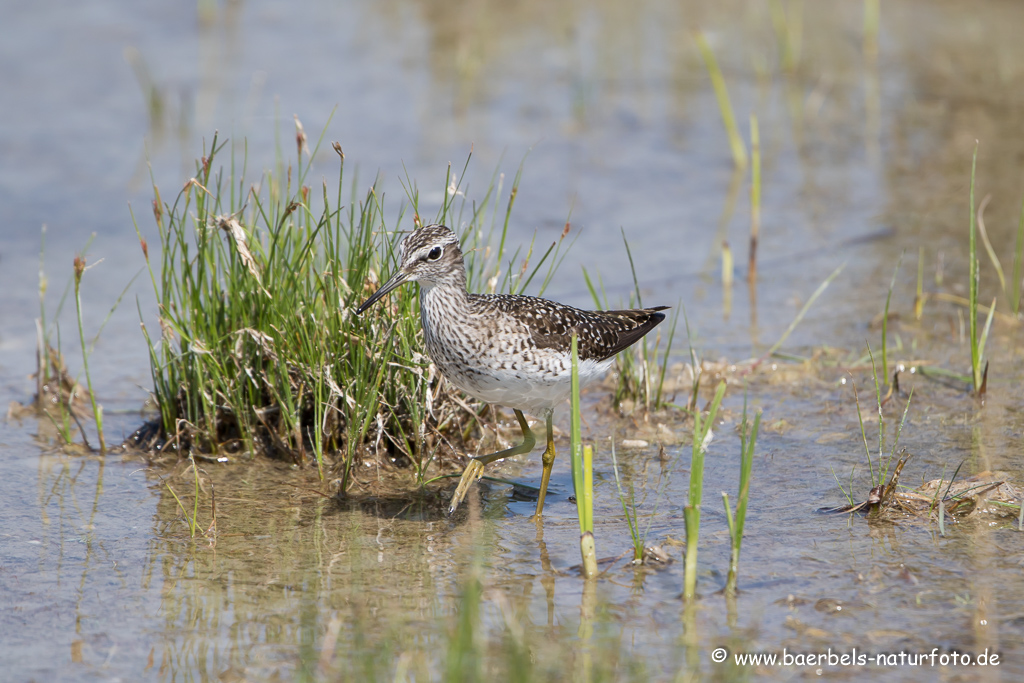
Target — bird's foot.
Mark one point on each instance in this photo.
(473, 471)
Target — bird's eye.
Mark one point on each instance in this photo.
(435, 254)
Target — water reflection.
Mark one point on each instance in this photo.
(293, 583)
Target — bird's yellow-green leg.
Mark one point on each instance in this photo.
(547, 460)
(475, 468)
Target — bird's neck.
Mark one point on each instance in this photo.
(447, 295)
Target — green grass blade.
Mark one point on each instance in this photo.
(629, 511)
(1018, 264)
(739, 150)
(885, 320)
(972, 251)
(803, 311)
(575, 447)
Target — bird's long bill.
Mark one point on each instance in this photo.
(396, 280)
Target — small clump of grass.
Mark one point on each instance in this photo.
(978, 337)
(748, 442)
(1020, 516)
(883, 487)
(882, 467)
(629, 510)
(55, 386)
(56, 389)
(60, 390)
(43, 366)
(192, 518)
(259, 351)
(697, 365)
(641, 552)
(640, 374)
(702, 435)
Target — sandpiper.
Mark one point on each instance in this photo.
(507, 349)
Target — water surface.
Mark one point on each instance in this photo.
(865, 158)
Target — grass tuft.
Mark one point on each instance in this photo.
(259, 350)
(702, 435)
(56, 390)
(629, 510)
(192, 519)
(748, 442)
(640, 373)
(629, 507)
(879, 466)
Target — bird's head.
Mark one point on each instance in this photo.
(430, 256)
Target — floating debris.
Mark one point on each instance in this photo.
(986, 493)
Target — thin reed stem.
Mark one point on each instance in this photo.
(739, 150)
(97, 410)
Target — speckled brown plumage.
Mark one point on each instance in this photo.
(503, 348)
(601, 334)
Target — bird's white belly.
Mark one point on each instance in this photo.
(530, 391)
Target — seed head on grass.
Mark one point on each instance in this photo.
(97, 410)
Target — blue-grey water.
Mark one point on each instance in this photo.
(610, 110)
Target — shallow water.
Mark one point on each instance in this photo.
(863, 160)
